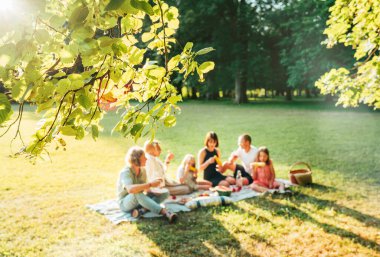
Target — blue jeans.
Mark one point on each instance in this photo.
(149, 201)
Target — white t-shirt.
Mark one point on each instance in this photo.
(154, 168)
(247, 157)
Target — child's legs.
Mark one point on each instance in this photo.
(203, 187)
(148, 203)
(258, 188)
(179, 189)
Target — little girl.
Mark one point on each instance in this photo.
(263, 173)
(187, 174)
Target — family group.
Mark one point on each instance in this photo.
(141, 182)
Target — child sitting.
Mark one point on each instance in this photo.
(263, 173)
(187, 174)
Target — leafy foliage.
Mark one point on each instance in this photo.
(356, 24)
(75, 59)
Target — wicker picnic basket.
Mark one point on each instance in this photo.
(300, 176)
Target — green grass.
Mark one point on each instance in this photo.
(42, 209)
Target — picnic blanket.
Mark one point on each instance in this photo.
(110, 208)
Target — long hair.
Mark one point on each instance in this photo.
(186, 159)
(211, 135)
(264, 150)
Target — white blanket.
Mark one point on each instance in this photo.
(110, 209)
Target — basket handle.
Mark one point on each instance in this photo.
(298, 163)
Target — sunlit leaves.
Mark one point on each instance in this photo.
(5, 109)
(355, 24)
(82, 61)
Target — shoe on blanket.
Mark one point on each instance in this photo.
(171, 216)
(138, 212)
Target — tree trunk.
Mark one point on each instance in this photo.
(240, 89)
(194, 93)
(289, 94)
(308, 93)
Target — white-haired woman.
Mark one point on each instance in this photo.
(133, 191)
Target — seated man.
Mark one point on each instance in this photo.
(134, 192)
(246, 153)
(157, 170)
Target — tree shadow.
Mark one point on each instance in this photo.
(288, 212)
(322, 188)
(196, 233)
(368, 220)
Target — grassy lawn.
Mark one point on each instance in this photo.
(42, 206)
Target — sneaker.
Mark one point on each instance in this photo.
(171, 216)
(138, 212)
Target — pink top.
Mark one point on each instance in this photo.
(264, 176)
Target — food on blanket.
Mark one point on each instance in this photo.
(223, 191)
(204, 194)
(236, 189)
(259, 164)
(218, 161)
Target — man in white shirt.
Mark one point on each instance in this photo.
(246, 153)
(155, 169)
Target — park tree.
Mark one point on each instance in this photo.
(71, 57)
(356, 24)
(299, 26)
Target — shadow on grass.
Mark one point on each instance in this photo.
(322, 188)
(196, 233)
(288, 212)
(368, 220)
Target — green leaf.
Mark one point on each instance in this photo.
(147, 36)
(142, 6)
(42, 36)
(78, 17)
(206, 67)
(5, 109)
(85, 101)
(188, 46)
(170, 121)
(68, 131)
(136, 129)
(95, 131)
(205, 51)
(114, 5)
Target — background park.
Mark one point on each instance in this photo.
(101, 85)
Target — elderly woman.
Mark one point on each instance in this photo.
(134, 192)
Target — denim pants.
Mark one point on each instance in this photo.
(149, 201)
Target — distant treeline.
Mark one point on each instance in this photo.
(270, 45)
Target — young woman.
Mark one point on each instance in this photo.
(206, 162)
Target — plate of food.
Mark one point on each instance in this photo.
(158, 190)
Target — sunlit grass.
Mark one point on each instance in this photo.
(42, 207)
